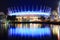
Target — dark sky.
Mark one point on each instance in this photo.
(4, 4)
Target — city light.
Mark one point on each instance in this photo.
(29, 32)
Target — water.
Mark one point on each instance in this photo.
(29, 31)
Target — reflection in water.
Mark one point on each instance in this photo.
(32, 25)
(29, 25)
(55, 28)
(30, 32)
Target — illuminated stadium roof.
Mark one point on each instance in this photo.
(30, 11)
(4, 4)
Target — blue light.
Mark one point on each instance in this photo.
(30, 13)
(30, 32)
(26, 11)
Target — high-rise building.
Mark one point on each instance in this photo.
(59, 9)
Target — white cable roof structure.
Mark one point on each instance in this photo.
(46, 11)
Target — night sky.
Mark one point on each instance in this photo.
(4, 4)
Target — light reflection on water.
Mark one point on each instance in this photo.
(29, 29)
(30, 32)
(54, 28)
(31, 25)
